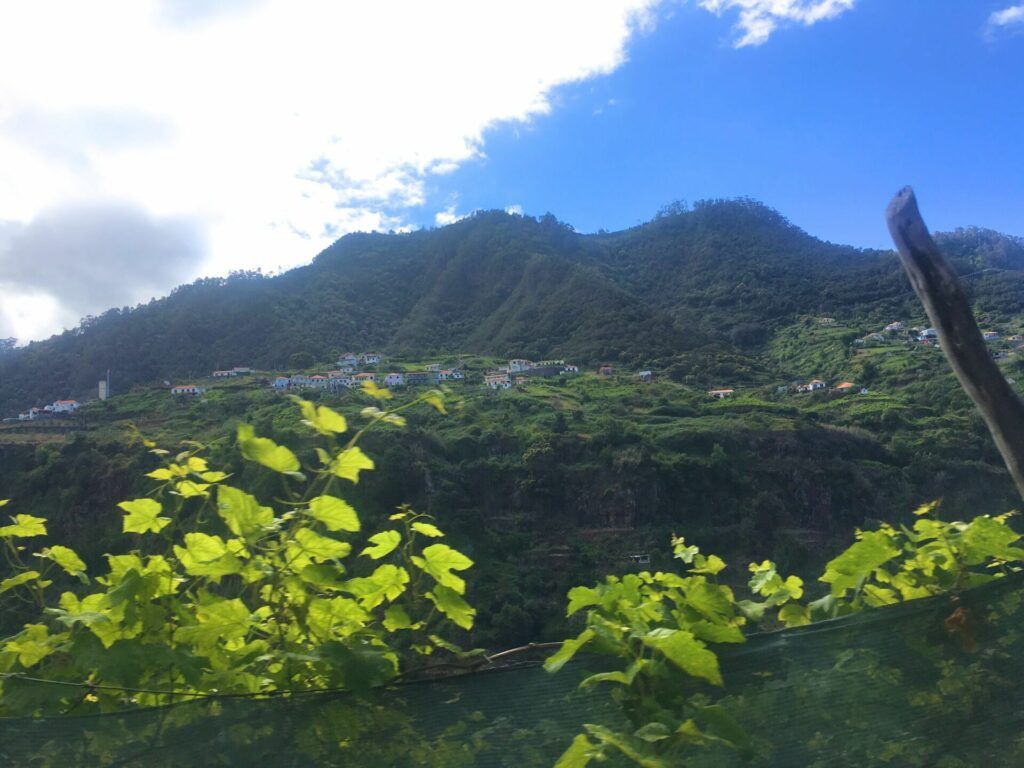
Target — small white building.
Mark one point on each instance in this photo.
(187, 389)
(720, 394)
(570, 369)
(30, 415)
(300, 381)
(990, 335)
(928, 333)
(498, 380)
(349, 359)
(645, 375)
(894, 327)
(369, 358)
(317, 381)
(518, 365)
(64, 406)
(223, 374)
(282, 382)
(337, 383)
(394, 380)
(359, 378)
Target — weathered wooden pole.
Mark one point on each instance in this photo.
(936, 284)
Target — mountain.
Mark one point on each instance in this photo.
(709, 282)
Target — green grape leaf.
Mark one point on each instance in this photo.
(190, 489)
(160, 474)
(242, 513)
(652, 732)
(386, 583)
(716, 633)
(336, 514)
(25, 526)
(219, 620)
(848, 569)
(32, 644)
(330, 617)
(795, 615)
(205, 555)
(710, 565)
(396, 618)
(439, 560)
(362, 666)
(986, 537)
(16, 581)
(383, 544)
(377, 393)
(686, 652)
(569, 648)
(143, 516)
(322, 419)
(318, 547)
(427, 530)
(350, 462)
(265, 451)
(66, 558)
(582, 597)
(450, 603)
(579, 754)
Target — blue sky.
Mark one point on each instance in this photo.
(130, 168)
(824, 124)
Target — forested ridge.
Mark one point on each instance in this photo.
(686, 287)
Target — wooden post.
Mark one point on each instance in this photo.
(936, 284)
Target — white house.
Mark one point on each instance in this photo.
(457, 374)
(894, 327)
(394, 380)
(64, 406)
(187, 389)
(516, 366)
(720, 394)
(349, 359)
(359, 378)
(498, 380)
(571, 369)
(340, 382)
(223, 374)
(370, 358)
(811, 386)
(645, 375)
(318, 381)
(300, 381)
(282, 382)
(990, 335)
(30, 414)
(928, 333)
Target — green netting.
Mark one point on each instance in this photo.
(930, 683)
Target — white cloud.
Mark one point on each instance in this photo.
(447, 216)
(758, 19)
(1007, 18)
(515, 210)
(278, 125)
(281, 124)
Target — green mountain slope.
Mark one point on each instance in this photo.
(688, 292)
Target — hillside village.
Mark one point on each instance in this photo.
(351, 370)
